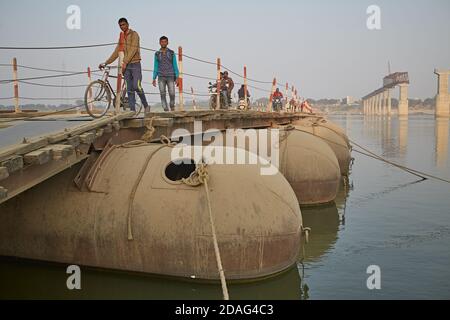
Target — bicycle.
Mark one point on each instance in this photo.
(97, 97)
(212, 89)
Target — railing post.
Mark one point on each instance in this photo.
(286, 96)
(218, 85)
(292, 99)
(180, 79)
(16, 87)
(193, 99)
(90, 89)
(274, 84)
(245, 88)
(119, 71)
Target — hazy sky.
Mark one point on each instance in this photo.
(322, 47)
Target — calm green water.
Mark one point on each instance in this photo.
(385, 217)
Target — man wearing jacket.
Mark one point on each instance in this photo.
(229, 87)
(131, 68)
(166, 70)
(277, 94)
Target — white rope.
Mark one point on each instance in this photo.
(198, 177)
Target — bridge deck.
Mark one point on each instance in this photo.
(36, 159)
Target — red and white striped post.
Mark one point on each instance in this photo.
(286, 96)
(245, 88)
(292, 96)
(274, 84)
(193, 99)
(90, 89)
(180, 78)
(16, 87)
(218, 85)
(119, 71)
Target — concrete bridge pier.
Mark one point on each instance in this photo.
(442, 97)
(374, 98)
(384, 105)
(403, 100)
(374, 112)
(388, 102)
(374, 105)
(379, 104)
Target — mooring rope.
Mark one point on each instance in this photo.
(150, 130)
(305, 240)
(198, 177)
(371, 154)
(417, 173)
(136, 185)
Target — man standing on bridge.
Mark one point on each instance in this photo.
(166, 70)
(229, 85)
(131, 67)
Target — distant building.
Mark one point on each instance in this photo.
(348, 100)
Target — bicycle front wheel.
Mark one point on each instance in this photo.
(97, 99)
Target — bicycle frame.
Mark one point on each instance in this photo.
(105, 77)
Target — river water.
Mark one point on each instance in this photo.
(383, 216)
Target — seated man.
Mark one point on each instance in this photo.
(241, 95)
(241, 92)
(277, 94)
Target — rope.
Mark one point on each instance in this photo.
(48, 98)
(241, 76)
(3, 81)
(305, 232)
(132, 196)
(150, 130)
(141, 47)
(198, 177)
(369, 153)
(54, 85)
(43, 69)
(417, 173)
(47, 114)
(59, 47)
(373, 156)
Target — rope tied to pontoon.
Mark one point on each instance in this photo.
(200, 177)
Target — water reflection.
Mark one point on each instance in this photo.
(388, 146)
(441, 149)
(403, 136)
(40, 280)
(325, 222)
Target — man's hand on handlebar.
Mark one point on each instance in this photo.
(102, 66)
